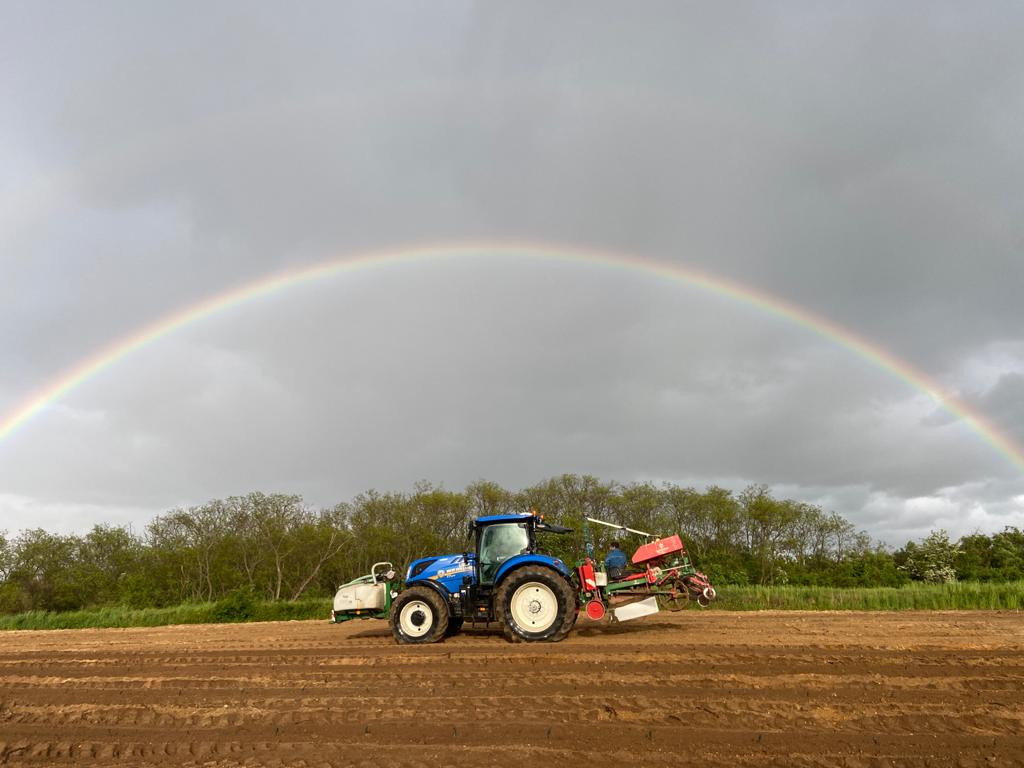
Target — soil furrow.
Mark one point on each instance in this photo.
(714, 689)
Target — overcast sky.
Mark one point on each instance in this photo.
(863, 161)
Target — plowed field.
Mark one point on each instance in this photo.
(709, 689)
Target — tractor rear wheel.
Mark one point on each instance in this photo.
(419, 615)
(535, 604)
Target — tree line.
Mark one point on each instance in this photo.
(276, 547)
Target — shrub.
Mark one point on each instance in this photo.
(237, 605)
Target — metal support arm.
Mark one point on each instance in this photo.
(622, 528)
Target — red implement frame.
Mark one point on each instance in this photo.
(658, 548)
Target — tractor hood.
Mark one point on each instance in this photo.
(447, 570)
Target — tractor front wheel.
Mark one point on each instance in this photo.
(535, 604)
(419, 615)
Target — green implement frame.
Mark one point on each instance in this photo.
(372, 579)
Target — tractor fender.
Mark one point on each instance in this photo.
(439, 588)
(520, 560)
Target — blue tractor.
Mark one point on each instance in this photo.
(507, 579)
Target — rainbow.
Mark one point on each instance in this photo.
(773, 305)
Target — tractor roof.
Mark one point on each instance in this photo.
(517, 518)
(522, 517)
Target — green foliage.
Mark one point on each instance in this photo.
(932, 559)
(237, 605)
(566, 500)
(188, 613)
(236, 556)
(914, 596)
(999, 557)
(6, 555)
(44, 569)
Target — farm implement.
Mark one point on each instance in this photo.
(663, 578)
(509, 579)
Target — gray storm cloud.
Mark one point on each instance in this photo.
(861, 161)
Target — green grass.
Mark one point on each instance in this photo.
(192, 613)
(965, 595)
(913, 597)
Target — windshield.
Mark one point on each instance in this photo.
(498, 543)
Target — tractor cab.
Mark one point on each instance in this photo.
(501, 537)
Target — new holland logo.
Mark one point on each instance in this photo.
(453, 571)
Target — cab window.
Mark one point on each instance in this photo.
(498, 543)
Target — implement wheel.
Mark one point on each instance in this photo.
(535, 604)
(674, 602)
(419, 615)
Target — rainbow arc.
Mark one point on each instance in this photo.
(281, 281)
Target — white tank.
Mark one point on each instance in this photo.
(360, 597)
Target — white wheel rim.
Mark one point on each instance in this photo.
(534, 606)
(416, 618)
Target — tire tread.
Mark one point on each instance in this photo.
(437, 604)
(564, 592)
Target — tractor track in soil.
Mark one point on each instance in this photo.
(709, 689)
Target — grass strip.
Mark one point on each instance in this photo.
(190, 613)
(965, 595)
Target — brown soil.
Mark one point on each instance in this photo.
(707, 689)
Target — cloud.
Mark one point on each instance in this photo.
(20, 513)
(858, 162)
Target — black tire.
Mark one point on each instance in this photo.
(419, 615)
(454, 626)
(553, 595)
